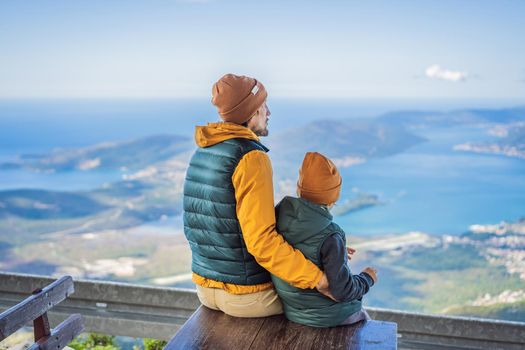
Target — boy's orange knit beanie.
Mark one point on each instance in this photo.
(237, 98)
(319, 179)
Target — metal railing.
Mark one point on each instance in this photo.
(155, 312)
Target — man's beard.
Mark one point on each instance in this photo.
(263, 132)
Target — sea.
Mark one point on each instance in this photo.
(428, 188)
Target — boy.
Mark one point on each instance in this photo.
(306, 224)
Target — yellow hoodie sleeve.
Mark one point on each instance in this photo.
(253, 185)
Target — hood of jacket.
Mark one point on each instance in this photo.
(213, 133)
(299, 219)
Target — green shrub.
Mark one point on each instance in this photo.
(94, 341)
(153, 344)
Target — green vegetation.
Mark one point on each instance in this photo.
(444, 280)
(96, 341)
(446, 289)
(153, 344)
(447, 258)
(510, 312)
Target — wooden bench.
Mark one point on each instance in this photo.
(209, 329)
(34, 309)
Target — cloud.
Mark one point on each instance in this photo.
(436, 72)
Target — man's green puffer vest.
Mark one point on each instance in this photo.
(306, 226)
(210, 221)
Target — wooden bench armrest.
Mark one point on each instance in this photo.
(34, 306)
(61, 335)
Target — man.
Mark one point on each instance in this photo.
(229, 217)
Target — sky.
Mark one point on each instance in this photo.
(301, 49)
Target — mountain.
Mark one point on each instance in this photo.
(479, 273)
(340, 138)
(41, 204)
(133, 154)
(456, 117)
(512, 143)
(344, 141)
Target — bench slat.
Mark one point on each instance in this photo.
(61, 335)
(277, 333)
(34, 306)
(209, 329)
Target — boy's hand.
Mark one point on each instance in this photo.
(372, 272)
(349, 252)
(323, 287)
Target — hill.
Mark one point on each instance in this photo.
(345, 141)
(511, 144)
(479, 273)
(134, 154)
(419, 119)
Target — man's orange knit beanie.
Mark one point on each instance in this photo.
(237, 98)
(319, 179)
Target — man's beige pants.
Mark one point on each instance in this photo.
(259, 304)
